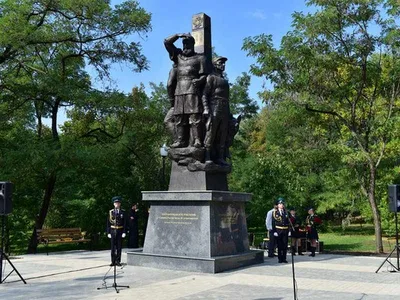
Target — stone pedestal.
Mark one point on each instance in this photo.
(202, 231)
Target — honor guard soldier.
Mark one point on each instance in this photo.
(280, 227)
(312, 221)
(116, 230)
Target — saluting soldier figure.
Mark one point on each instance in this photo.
(116, 230)
(312, 221)
(280, 227)
(189, 72)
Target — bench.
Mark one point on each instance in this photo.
(304, 243)
(61, 236)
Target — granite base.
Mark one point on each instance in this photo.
(195, 264)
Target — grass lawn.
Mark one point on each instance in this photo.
(353, 242)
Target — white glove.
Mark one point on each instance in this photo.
(123, 235)
(109, 235)
(275, 234)
(290, 234)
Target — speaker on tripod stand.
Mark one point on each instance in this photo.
(5, 198)
(394, 206)
(5, 209)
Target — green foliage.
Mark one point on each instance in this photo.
(340, 63)
(240, 101)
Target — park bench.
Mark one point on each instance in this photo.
(264, 243)
(61, 236)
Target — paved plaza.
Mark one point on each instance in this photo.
(78, 274)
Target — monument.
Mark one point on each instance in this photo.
(198, 224)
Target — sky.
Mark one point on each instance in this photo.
(231, 22)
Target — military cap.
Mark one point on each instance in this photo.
(280, 200)
(116, 199)
(188, 39)
(218, 58)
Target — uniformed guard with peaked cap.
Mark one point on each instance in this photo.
(116, 229)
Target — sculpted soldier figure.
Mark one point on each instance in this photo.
(191, 73)
(169, 120)
(216, 110)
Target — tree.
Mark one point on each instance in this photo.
(342, 62)
(239, 99)
(44, 54)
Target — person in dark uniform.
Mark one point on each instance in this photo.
(312, 221)
(295, 234)
(116, 230)
(133, 241)
(280, 227)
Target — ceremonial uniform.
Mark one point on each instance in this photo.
(295, 234)
(312, 221)
(116, 230)
(280, 226)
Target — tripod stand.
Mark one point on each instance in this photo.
(114, 285)
(395, 248)
(4, 256)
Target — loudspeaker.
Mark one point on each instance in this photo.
(5, 198)
(394, 197)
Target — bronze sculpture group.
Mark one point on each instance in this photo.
(199, 120)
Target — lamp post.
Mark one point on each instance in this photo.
(164, 154)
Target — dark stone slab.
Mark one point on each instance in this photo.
(202, 231)
(195, 264)
(184, 179)
(181, 229)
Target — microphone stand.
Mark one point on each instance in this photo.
(114, 285)
(292, 254)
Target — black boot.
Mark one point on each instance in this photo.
(207, 157)
(312, 251)
(180, 135)
(221, 157)
(294, 250)
(195, 131)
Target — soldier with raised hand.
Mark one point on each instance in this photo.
(191, 73)
(116, 230)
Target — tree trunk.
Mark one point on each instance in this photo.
(51, 183)
(375, 211)
(39, 119)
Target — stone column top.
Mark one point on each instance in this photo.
(190, 195)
